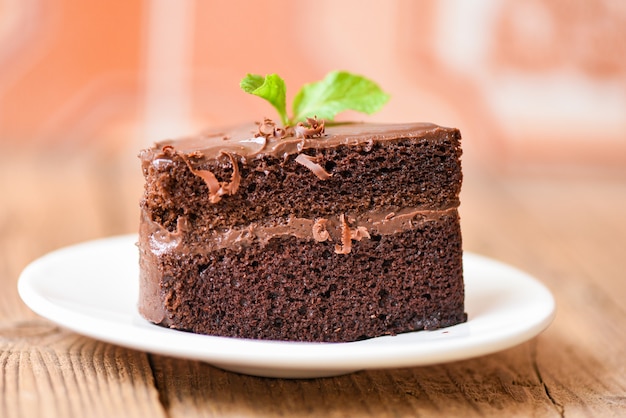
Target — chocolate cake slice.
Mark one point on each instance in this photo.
(334, 233)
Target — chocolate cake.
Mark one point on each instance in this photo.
(320, 233)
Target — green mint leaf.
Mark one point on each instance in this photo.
(271, 88)
(338, 91)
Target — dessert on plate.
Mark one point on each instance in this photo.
(304, 230)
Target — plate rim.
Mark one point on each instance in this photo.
(310, 359)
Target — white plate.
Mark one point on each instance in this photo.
(92, 288)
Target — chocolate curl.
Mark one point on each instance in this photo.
(320, 234)
(314, 129)
(268, 129)
(346, 237)
(212, 183)
(311, 163)
(231, 187)
(217, 189)
(359, 233)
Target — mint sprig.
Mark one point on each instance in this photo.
(271, 88)
(337, 92)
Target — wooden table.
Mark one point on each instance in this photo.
(567, 229)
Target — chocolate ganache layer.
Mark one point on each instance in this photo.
(379, 201)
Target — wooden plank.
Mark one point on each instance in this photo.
(479, 387)
(51, 372)
(587, 339)
(44, 370)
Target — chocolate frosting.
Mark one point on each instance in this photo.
(341, 229)
(241, 141)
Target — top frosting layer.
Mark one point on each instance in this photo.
(243, 142)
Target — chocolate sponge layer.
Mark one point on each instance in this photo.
(295, 289)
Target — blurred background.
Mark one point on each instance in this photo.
(532, 84)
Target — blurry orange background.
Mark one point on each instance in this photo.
(529, 83)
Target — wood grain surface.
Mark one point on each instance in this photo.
(567, 229)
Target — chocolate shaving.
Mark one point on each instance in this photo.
(346, 238)
(311, 163)
(212, 183)
(320, 234)
(268, 129)
(231, 187)
(347, 235)
(168, 150)
(315, 128)
(217, 189)
(359, 233)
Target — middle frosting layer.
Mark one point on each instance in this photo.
(340, 230)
